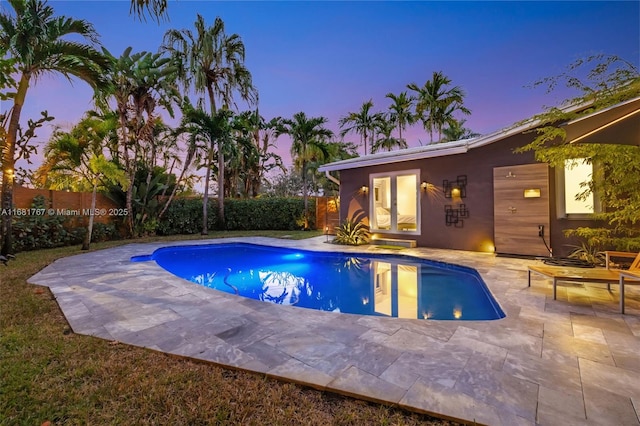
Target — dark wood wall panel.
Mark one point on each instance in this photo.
(516, 218)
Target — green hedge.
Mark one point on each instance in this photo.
(43, 232)
(185, 216)
(38, 232)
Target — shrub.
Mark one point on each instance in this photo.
(352, 233)
(184, 216)
(588, 253)
(603, 238)
(35, 232)
(102, 232)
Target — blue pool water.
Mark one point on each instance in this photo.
(383, 285)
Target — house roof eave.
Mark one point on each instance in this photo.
(430, 151)
(463, 146)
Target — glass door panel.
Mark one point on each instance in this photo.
(381, 212)
(407, 206)
(407, 291)
(395, 289)
(382, 289)
(394, 204)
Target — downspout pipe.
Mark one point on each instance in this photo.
(331, 178)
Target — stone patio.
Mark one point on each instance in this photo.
(570, 361)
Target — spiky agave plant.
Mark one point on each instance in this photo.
(352, 233)
(588, 253)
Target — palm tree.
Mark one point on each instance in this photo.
(332, 151)
(35, 39)
(289, 182)
(102, 170)
(308, 144)
(436, 103)
(384, 140)
(139, 82)
(66, 155)
(165, 153)
(193, 146)
(109, 122)
(265, 140)
(159, 142)
(157, 9)
(254, 138)
(242, 155)
(362, 122)
(213, 62)
(74, 160)
(456, 131)
(204, 131)
(401, 111)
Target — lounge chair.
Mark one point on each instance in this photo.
(606, 275)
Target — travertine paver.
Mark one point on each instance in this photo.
(570, 361)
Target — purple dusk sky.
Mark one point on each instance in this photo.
(327, 58)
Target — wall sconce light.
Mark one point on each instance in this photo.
(532, 193)
(423, 186)
(456, 188)
(364, 190)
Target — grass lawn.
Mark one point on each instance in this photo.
(50, 374)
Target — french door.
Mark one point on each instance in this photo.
(394, 202)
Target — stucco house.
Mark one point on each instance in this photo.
(477, 194)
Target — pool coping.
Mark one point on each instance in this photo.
(575, 359)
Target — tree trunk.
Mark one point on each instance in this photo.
(8, 164)
(221, 186)
(304, 195)
(365, 142)
(131, 174)
(129, 201)
(7, 202)
(212, 101)
(169, 173)
(151, 166)
(205, 197)
(174, 190)
(87, 238)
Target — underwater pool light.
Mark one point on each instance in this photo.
(293, 256)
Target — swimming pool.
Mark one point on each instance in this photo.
(381, 284)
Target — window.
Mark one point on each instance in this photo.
(570, 182)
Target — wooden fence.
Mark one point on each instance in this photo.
(327, 214)
(74, 205)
